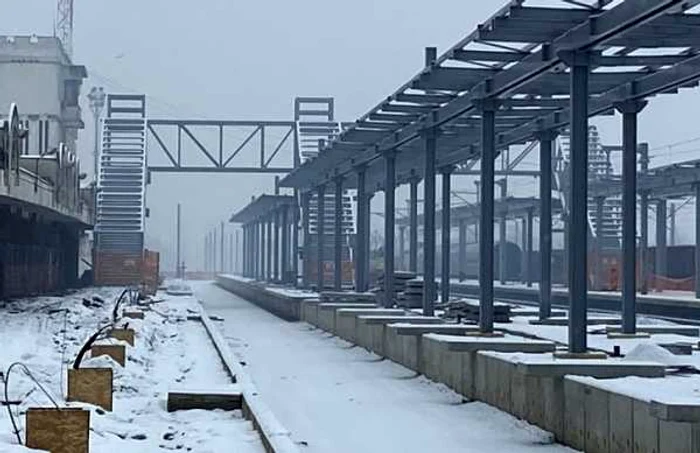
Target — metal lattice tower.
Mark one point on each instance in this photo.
(64, 25)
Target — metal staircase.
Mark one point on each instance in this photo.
(122, 176)
(604, 215)
(315, 123)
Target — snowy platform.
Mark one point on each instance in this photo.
(334, 398)
(403, 341)
(283, 302)
(690, 331)
(346, 320)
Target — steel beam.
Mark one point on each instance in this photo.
(338, 236)
(320, 227)
(629, 111)
(389, 227)
(486, 267)
(446, 227)
(413, 232)
(429, 223)
(578, 220)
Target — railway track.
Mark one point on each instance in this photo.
(685, 311)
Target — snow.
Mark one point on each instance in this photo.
(337, 398)
(170, 351)
(295, 293)
(678, 389)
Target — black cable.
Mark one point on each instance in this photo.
(115, 311)
(88, 344)
(7, 397)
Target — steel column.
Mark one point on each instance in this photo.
(661, 233)
(644, 242)
(320, 227)
(361, 237)
(389, 226)
(528, 253)
(446, 227)
(263, 251)
(578, 221)
(462, 249)
(413, 232)
(276, 272)
(221, 247)
(697, 241)
(402, 248)
(338, 236)
(305, 205)
(295, 239)
(178, 239)
(284, 259)
(486, 267)
(503, 239)
(629, 112)
(429, 223)
(368, 228)
(270, 247)
(598, 267)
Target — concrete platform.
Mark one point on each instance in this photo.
(403, 341)
(347, 296)
(690, 331)
(610, 415)
(346, 320)
(452, 359)
(564, 321)
(326, 313)
(534, 311)
(534, 385)
(372, 332)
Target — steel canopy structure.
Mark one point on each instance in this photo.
(521, 76)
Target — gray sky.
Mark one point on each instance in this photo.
(229, 59)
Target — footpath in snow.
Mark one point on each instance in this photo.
(170, 352)
(342, 399)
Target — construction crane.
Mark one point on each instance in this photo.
(64, 25)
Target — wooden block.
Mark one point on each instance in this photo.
(58, 430)
(123, 335)
(133, 314)
(206, 399)
(115, 351)
(92, 386)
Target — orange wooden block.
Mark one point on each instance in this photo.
(58, 430)
(91, 385)
(123, 335)
(115, 351)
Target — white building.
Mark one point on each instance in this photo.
(37, 75)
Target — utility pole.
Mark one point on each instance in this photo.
(178, 262)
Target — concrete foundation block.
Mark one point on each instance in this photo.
(574, 414)
(597, 420)
(411, 352)
(345, 323)
(677, 437)
(646, 428)
(690, 331)
(621, 423)
(309, 311)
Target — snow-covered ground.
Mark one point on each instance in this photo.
(170, 352)
(336, 398)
